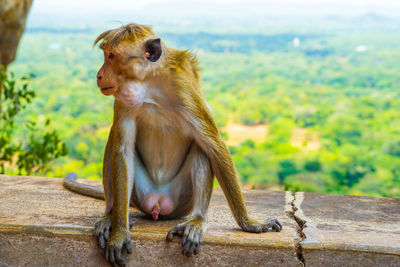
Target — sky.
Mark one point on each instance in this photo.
(180, 7)
(98, 12)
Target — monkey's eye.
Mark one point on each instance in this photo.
(111, 56)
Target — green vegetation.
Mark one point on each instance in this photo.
(331, 105)
(40, 144)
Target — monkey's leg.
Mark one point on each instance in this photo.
(197, 168)
(227, 178)
(206, 134)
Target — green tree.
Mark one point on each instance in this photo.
(42, 144)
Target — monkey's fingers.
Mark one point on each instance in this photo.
(101, 241)
(102, 231)
(127, 246)
(273, 224)
(106, 253)
(114, 256)
(118, 257)
(100, 237)
(111, 256)
(106, 233)
(103, 237)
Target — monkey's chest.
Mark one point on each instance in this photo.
(162, 151)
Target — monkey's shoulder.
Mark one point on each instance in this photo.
(183, 61)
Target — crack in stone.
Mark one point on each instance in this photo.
(301, 224)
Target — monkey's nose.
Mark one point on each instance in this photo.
(98, 77)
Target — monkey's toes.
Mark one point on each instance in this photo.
(192, 236)
(254, 226)
(131, 222)
(177, 230)
(191, 240)
(273, 224)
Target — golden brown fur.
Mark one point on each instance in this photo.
(163, 141)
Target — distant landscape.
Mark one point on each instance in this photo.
(312, 110)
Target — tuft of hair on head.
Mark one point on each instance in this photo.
(130, 32)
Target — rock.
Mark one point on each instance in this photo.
(13, 15)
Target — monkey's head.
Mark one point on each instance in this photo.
(132, 53)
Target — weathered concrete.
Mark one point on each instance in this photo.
(42, 224)
(349, 230)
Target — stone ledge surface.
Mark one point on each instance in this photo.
(42, 224)
(350, 229)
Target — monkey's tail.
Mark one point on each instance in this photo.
(88, 190)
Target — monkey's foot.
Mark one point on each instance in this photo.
(254, 226)
(192, 232)
(119, 239)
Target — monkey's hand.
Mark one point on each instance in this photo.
(118, 240)
(254, 226)
(112, 241)
(102, 229)
(192, 232)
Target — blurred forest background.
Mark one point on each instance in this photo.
(306, 98)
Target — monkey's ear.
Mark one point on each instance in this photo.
(153, 49)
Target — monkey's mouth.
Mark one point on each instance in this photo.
(108, 90)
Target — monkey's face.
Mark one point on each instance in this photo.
(126, 66)
(107, 75)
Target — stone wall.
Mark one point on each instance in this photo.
(43, 224)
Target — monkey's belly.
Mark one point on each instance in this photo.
(157, 193)
(163, 170)
(163, 153)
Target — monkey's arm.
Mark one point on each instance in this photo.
(206, 134)
(107, 172)
(122, 158)
(121, 177)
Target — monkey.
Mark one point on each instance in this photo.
(164, 147)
